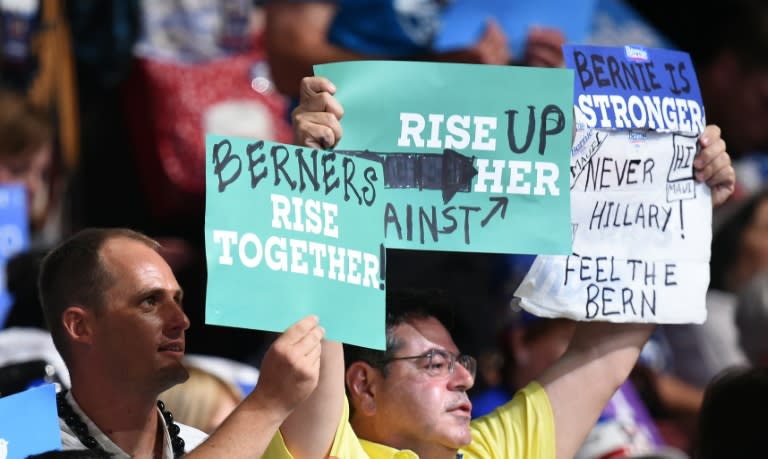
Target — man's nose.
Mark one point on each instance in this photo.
(461, 379)
(177, 318)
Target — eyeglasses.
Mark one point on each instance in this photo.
(437, 362)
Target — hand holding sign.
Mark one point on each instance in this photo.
(491, 48)
(543, 47)
(316, 119)
(634, 257)
(291, 366)
(713, 166)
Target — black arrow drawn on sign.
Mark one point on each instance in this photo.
(450, 172)
(501, 204)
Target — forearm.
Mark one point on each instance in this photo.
(309, 430)
(246, 432)
(289, 67)
(297, 40)
(678, 396)
(579, 385)
(289, 373)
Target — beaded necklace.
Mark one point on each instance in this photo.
(72, 419)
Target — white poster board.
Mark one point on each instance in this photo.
(641, 233)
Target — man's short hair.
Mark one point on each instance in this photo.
(73, 273)
(730, 222)
(731, 420)
(403, 305)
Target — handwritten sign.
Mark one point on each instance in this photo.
(475, 156)
(291, 231)
(641, 231)
(29, 423)
(636, 87)
(14, 236)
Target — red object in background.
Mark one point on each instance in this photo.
(618, 454)
(166, 105)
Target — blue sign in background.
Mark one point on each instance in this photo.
(634, 87)
(14, 236)
(631, 70)
(29, 423)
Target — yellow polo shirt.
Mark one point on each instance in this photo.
(521, 429)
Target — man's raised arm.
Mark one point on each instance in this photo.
(309, 430)
(599, 359)
(289, 373)
(601, 355)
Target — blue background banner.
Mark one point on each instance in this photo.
(29, 423)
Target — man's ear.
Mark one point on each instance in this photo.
(362, 383)
(77, 322)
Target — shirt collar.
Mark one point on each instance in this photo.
(106, 443)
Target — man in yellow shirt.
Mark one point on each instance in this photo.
(412, 398)
(410, 401)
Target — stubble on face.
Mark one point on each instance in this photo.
(432, 411)
(142, 289)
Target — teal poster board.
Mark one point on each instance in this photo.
(29, 423)
(292, 231)
(475, 157)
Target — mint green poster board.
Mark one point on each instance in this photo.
(475, 157)
(292, 231)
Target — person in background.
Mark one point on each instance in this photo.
(203, 401)
(26, 142)
(752, 319)
(303, 33)
(26, 156)
(739, 252)
(726, 427)
(529, 345)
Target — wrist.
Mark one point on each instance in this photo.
(266, 405)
